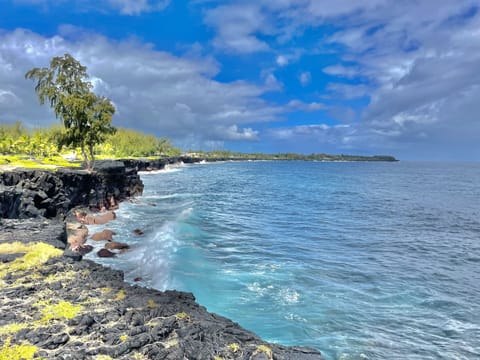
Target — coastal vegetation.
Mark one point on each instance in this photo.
(41, 147)
(86, 116)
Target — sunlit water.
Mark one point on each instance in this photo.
(358, 260)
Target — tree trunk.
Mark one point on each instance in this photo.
(86, 163)
(92, 157)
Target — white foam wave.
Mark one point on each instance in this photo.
(289, 296)
(153, 257)
(258, 289)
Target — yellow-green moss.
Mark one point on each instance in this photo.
(11, 328)
(182, 316)
(138, 356)
(61, 310)
(17, 352)
(103, 357)
(264, 349)
(62, 276)
(123, 338)
(151, 304)
(120, 295)
(234, 347)
(36, 254)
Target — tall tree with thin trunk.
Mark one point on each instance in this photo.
(86, 117)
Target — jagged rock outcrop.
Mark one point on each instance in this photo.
(59, 308)
(28, 193)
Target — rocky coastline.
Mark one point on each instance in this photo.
(54, 306)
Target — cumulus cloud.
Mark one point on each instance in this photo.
(234, 133)
(319, 136)
(237, 27)
(153, 90)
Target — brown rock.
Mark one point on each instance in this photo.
(77, 237)
(84, 249)
(105, 253)
(104, 235)
(116, 246)
(138, 232)
(85, 218)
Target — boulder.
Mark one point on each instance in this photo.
(116, 246)
(104, 235)
(105, 253)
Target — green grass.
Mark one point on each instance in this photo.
(24, 161)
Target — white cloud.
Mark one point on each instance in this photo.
(153, 90)
(348, 91)
(341, 71)
(237, 26)
(316, 134)
(297, 105)
(136, 7)
(305, 78)
(125, 7)
(233, 133)
(282, 60)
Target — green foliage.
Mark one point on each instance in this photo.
(86, 117)
(131, 143)
(16, 139)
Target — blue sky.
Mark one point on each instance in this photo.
(357, 77)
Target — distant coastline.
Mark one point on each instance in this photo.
(228, 155)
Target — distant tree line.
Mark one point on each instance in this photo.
(226, 154)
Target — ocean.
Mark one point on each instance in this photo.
(358, 260)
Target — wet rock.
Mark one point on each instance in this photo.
(105, 253)
(116, 246)
(104, 235)
(138, 232)
(84, 249)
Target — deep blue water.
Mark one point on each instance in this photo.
(358, 260)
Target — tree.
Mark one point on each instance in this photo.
(86, 117)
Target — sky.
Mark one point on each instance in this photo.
(368, 77)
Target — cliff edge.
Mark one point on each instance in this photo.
(55, 307)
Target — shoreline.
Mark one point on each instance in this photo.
(60, 307)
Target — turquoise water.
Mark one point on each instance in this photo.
(358, 260)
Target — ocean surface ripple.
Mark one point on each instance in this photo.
(358, 260)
